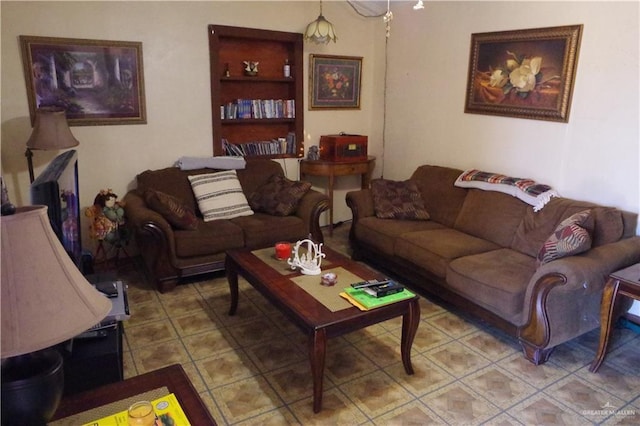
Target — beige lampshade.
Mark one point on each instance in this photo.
(45, 298)
(51, 131)
(320, 30)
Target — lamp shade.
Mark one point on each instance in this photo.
(51, 130)
(45, 298)
(320, 31)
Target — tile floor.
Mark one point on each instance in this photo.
(252, 368)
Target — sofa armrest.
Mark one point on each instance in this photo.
(361, 204)
(564, 295)
(154, 235)
(311, 206)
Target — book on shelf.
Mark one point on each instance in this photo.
(168, 412)
(279, 146)
(365, 301)
(242, 109)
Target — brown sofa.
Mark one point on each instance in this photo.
(478, 252)
(170, 253)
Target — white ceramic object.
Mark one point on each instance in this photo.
(309, 262)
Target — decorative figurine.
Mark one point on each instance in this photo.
(309, 262)
(313, 153)
(250, 67)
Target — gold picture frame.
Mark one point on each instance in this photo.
(334, 82)
(523, 73)
(97, 82)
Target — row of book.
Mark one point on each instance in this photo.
(279, 146)
(259, 109)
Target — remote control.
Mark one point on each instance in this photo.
(370, 283)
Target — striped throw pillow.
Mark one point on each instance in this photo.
(219, 195)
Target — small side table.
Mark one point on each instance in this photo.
(625, 282)
(331, 169)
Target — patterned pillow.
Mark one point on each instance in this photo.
(219, 195)
(279, 196)
(569, 238)
(172, 209)
(397, 200)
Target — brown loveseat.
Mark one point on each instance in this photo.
(170, 253)
(478, 251)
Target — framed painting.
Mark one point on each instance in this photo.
(334, 82)
(96, 81)
(523, 73)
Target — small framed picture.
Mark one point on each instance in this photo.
(96, 81)
(334, 82)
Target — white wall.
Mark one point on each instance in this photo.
(176, 72)
(594, 157)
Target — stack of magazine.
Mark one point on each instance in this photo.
(373, 294)
(167, 409)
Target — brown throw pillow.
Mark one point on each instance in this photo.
(172, 209)
(279, 196)
(570, 237)
(397, 200)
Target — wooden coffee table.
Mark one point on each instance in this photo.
(173, 378)
(314, 318)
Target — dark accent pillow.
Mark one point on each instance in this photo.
(279, 196)
(172, 209)
(398, 200)
(570, 237)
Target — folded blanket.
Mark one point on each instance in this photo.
(527, 190)
(221, 163)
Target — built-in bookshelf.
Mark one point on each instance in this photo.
(256, 113)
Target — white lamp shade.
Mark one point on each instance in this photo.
(45, 298)
(320, 31)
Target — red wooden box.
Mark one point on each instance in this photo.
(343, 148)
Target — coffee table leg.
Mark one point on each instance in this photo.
(410, 322)
(231, 270)
(317, 352)
(607, 318)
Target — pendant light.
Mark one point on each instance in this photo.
(320, 31)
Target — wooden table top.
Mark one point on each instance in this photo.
(173, 378)
(306, 310)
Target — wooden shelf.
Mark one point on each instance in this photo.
(228, 48)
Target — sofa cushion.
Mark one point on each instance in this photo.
(492, 216)
(397, 200)
(211, 237)
(535, 228)
(569, 238)
(263, 230)
(172, 209)
(383, 233)
(171, 181)
(220, 195)
(435, 248)
(496, 280)
(442, 200)
(279, 196)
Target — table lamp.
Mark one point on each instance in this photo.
(45, 301)
(50, 132)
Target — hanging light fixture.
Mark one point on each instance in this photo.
(419, 5)
(320, 30)
(387, 19)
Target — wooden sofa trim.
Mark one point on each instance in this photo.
(535, 336)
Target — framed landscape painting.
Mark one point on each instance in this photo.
(334, 82)
(523, 73)
(95, 81)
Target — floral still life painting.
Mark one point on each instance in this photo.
(524, 73)
(334, 82)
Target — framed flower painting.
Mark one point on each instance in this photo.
(523, 73)
(334, 82)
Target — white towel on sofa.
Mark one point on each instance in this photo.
(221, 163)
